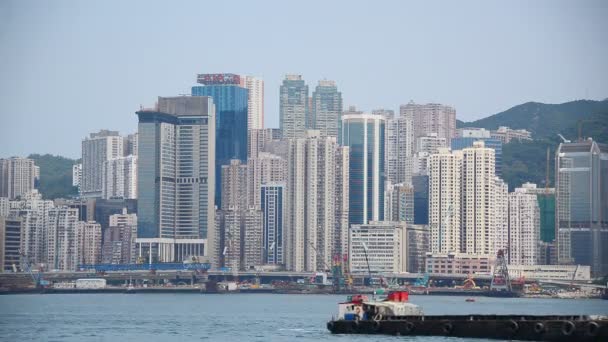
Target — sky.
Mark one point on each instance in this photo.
(69, 68)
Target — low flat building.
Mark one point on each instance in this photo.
(386, 247)
(458, 263)
(551, 272)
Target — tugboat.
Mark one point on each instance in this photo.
(396, 316)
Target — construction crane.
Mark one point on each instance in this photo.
(564, 139)
(26, 266)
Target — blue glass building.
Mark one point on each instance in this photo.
(231, 125)
(421, 199)
(464, 142)
(365, 135)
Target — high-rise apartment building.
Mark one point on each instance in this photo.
(130, 144)
(398, 150)
(399, 205)
(119, 176)
(521, 239)
(77, 175)
(316, 210)
(176, 178)
(326, 109)
(445, 177)
(464, 142)
(272, 202)
(119, 239)
(260, 138)
(62, 243)
(231, 116)
(364, 134)
(253, 238)
(293, 107)
(381, 245)
(506, 134)
(17, 177)
(478, 201)
(255, 102)
(417, 247)
(96, 150)
(234, 186)
(581, 187)
(431, 118)
(267, 168)
(88, 243)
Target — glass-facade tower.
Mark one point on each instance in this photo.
(327, 109)
(365, 134)
(176, 178)
(230, 101)
(582, 204)
(293, 107)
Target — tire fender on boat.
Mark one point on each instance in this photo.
(447, 327)
(330, 326)
(592, 328)
(539, 327)
(409, 327)
(568, 328)
(513, 326)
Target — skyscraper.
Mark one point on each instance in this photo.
(399, 205)
(445, 176)
(96, 150)
(326, 108)
(88, 243)
(521, 240)
(259, 138)
(234, 186)
(431, 118)
(581, 186)
(273, 239)
(463, 142)
(314, 202)
(478, 201)
(119, 178)
(62, 242)
(255, 103)
(364, 134)
(176, 178)
(231, 116)
(293, 107)
(17, 177)
(398, 147)
(267, 168)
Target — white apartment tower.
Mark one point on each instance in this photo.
(398, 150)
(255, 102)
(96, 150)
(62, 242)
(431, 118)
(119, 177)
(266, 168)
(478, 204)
(315, 188)
(17, 176)
(445, 176)
(88, 243)
(523, 235)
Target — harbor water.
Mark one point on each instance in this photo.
(227, 317)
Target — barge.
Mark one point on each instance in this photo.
(396, 316)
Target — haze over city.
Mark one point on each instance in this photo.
(71, 67)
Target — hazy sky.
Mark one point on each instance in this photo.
(68, 68)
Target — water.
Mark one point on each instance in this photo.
(233, 317)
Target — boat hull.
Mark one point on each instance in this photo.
(511, 327)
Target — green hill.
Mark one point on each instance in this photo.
(526, 161)
(545, 120)
(55, 176)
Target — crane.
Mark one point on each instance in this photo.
(26, 266)
(564, 139)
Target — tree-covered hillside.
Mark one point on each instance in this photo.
(546, 120)
(55, 176)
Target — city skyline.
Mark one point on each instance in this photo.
(475, 79)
